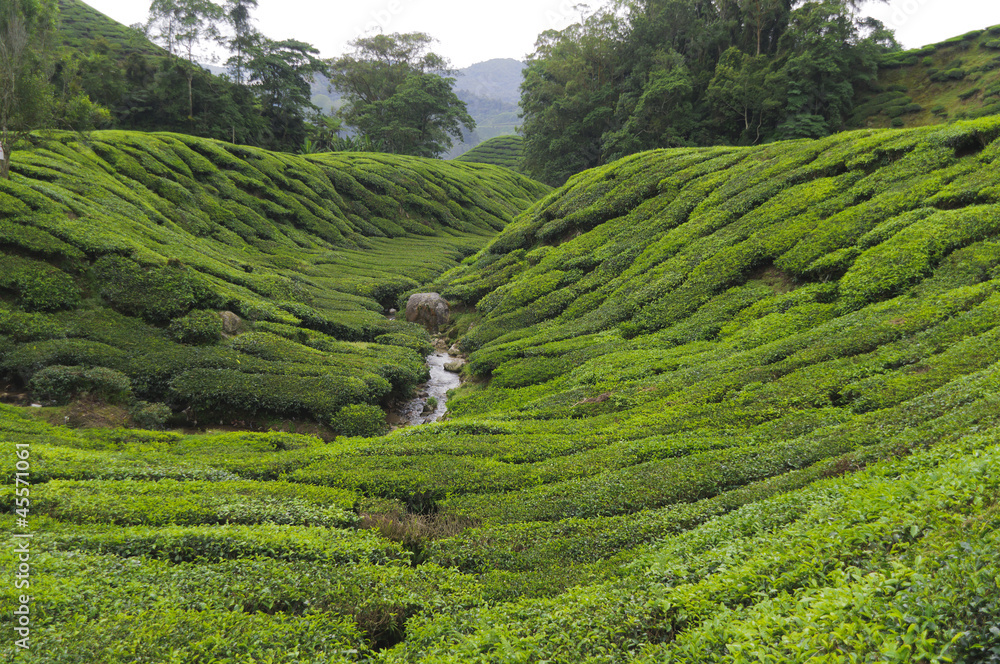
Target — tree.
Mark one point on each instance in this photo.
(569, 98)
(280, 73)
(399, 93)
(180, 26)
(663, 115)
(26, 98)
(245, 37)
(825, 53)
(742, 96)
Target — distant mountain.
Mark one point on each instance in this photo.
(492, 91)
(499, 78)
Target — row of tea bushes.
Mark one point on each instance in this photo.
(150, 237)
(893, 561)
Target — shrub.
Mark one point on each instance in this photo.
(58, 384)
(227, 393)
(155, 293)
(197, 327)
(147, 415)
(420, 344)
(39, 286)
(360, 420)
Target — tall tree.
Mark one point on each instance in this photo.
(398, 92)
(280, 74)
(571, 90)
(26, 97)
(743, 97)
(825, 53)
(245, 38)
(181, 26)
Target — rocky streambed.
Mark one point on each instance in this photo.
(420, 409)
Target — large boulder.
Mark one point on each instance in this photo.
(428, 309)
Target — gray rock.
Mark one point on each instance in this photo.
(454, 367)
(231, 323)
(428, 309)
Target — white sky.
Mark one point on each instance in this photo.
(471, 31)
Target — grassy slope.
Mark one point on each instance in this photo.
(80, 23)
(742, 406)
(505, 151)
(108, 244)
(956, 79)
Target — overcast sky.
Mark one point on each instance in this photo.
(473, 31)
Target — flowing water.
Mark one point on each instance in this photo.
(412, 412)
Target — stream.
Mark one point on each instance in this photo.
(440, 382)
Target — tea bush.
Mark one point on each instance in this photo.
(360, 420)
(58, 384)
(197, 327)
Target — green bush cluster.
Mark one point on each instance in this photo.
(507, 151)
(228, 393)
(155, 232)
(360, 420)
(38, 286)
(147, 415)
(156, 294)
(58, 384)
(197, 327)
(734, 404)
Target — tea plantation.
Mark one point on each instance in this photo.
(500, 151)
(722, 405)
(121, 251)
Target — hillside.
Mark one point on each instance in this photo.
(81, 24)
(499, 78)
(956, 79)
(119, 251)
(724, 404)
(507, 151)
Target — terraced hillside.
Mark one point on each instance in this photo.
(956, 79)
(507, 151)
(80, 24)
(729, 405)
(119, 253)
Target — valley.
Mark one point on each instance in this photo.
(721, 404)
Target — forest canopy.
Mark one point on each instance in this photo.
(668, 73)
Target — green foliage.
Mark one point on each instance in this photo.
(197, 327)
(147, 415)
(156, 294)
(153, 241)
(360, 420)
(505, 151)
(666, 74)
(733, 404)
(38, 286)
(398, 93)
(58, 384)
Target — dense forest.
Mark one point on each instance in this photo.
(670, 73)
